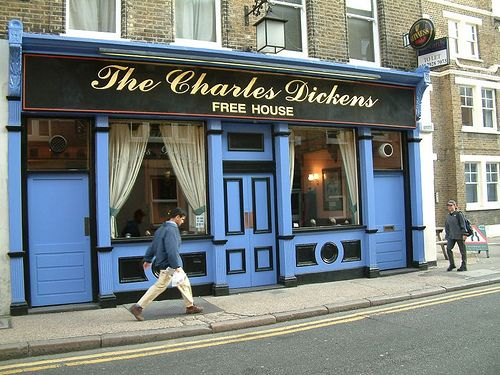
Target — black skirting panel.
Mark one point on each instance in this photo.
(352, 250)
(322, 277)
(305, 255)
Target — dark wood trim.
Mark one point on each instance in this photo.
(371, 273)
(16, 254)
(12, 128)
(321, 277)
(102, 129)
(104, 249)
(13, 98)
(287, 237)
(421, 266)
(20, 308)
(418, 227)
(288, 282)
(282, 134)
(364, 137)
(230, 166)
(215, 132)
(371, 231)
(220, 290)
(107, 301)
(414, 140)
(219, 242)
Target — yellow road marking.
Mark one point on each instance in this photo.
(218, 341)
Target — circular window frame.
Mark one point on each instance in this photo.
(333, 257)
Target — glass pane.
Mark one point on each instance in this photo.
(92, 15)
(245, 141)
(471, 193)
(195, 19)
(169, 160)
(487, 118)
(467, 116)
(492, 192)
(324, 188)
(360, 7)
(293, 28)
(58, 144)
(361, 39)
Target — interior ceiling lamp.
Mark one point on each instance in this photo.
(270, 28)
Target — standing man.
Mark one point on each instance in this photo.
(455, 233)
(165, 247)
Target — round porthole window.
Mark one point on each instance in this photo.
(329, 252)
(58, 144)
(155, 270)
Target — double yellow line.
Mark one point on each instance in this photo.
(255, 335)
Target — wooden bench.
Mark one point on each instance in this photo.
(441, 241)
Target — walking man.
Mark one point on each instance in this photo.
(455, 233)
(165, 248)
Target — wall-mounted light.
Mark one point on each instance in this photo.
(270, 29)
(313, 177)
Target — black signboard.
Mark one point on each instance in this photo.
(66, 83)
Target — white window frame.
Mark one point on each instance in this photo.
(492, 178)
(460, 37)
(96, 34)
(482, 183)
(477, 111)
(202, 43)
(376, 43)
(303, 28)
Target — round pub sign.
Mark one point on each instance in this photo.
(421, 33)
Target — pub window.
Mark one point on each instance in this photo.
(154, 167)
(362, 31)
(57, 144)
(295, 28)
(93, 18)
(245, 141)
(197, 22)
(324, 177)
(386, 150)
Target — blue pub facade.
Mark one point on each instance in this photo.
(291, 171)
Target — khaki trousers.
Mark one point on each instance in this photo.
(161, 285)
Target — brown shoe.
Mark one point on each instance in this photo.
(194, 309)
(136, 311)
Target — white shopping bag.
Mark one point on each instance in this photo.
(178, 278)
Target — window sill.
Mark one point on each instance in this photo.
(477, 207)
(92, 35)
(468, 58)
(185, 237)
(197, 44)
(480, 130)
(336, 228)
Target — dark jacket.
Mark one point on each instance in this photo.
(165, 247)
(455, 226)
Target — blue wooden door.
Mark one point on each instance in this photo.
(390, 220)
(59, 242)
(250, 233)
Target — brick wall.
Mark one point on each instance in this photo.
(449, 141)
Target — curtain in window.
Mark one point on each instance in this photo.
(348, 151)
(195, 19)
(125, 156)
(186, 150)
(92, 15)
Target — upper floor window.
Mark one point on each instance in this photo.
(478, 105)
(487, 97)
(197, 22)
(482, 188)
(466, 104)
(295, 28)
(462, 33)
(362, 31)
(93, 18)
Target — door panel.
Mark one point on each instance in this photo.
(390, 220)
(59, 249)
(250, 253)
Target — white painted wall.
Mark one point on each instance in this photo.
(5, 296)
(427, 163)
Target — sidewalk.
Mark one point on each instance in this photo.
(51, 333)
